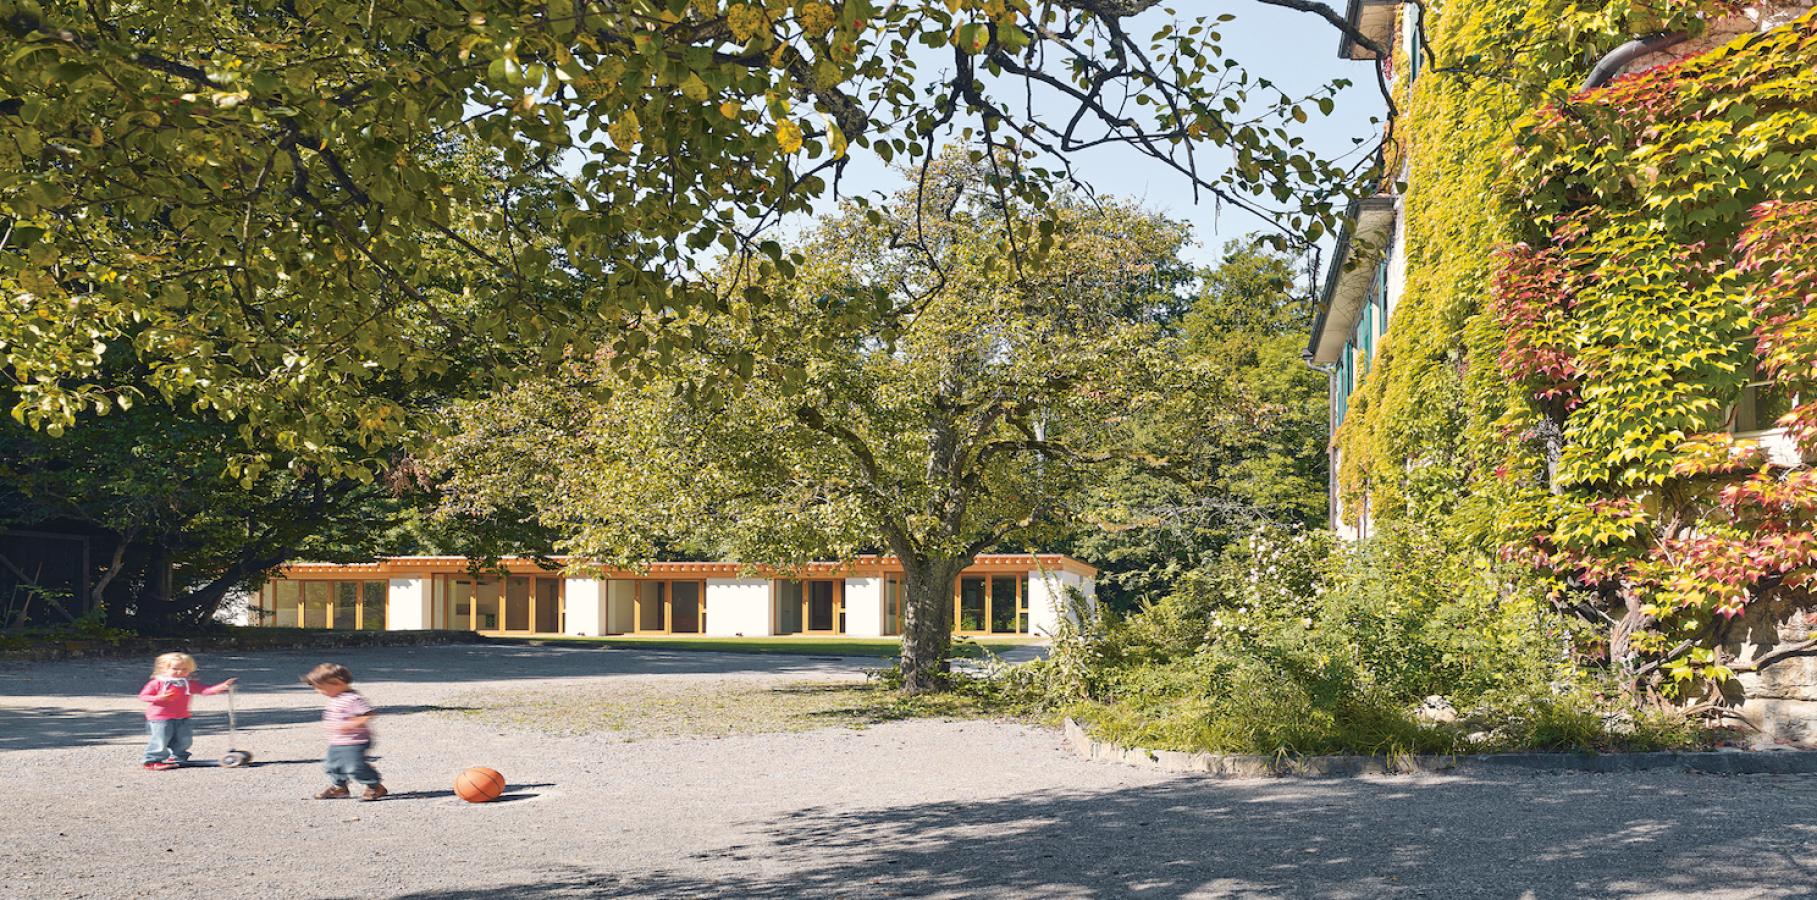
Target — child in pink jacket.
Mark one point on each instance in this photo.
(166, 697)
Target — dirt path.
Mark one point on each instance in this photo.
(904, 809)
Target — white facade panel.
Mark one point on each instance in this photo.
(1048, 601)
(407, 604)
(586, 606)
(864, 606)
(738, 607)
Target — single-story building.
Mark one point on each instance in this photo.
(1000, 593)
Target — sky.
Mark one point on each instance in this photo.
(1295, 50)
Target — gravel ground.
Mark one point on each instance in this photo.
(921, 808)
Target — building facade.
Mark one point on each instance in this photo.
(1519, 384)
(999, 594)
(1367, 274)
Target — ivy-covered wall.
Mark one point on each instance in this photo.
(1591, 281)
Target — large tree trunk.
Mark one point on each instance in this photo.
(927, 623)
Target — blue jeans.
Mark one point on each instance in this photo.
(169, 740)
(348, 762)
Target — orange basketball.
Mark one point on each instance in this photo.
(479, 784)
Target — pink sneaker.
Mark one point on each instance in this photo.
(161, 766)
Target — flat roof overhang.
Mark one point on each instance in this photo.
(1367, 226)
(404, 566)
(1374, 18)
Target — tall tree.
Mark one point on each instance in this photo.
(1244, 332)
(917, 389)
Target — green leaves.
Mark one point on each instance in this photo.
(874, 399)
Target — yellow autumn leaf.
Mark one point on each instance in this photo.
(746, 21)
(835, 138)
(816, 19)
(694, 88)
(729, 109)
(624, 132)
(788, 136)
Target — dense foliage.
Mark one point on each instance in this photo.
(1659, 304)
(252, 200)
(1294, 643)
(178, 515)
(1146, 527)
(1426, 439)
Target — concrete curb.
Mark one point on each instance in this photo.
(1220, 765)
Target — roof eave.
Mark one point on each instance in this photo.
(1367, 225)
(1374, 18)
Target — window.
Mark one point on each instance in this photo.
(813, 606)
(788, 607)
(285, 595)
(892, 604)
(471, 604)
(1414, 16)
(1006, 611)
(671, 607)
(1342, 380)
(551, 613)
(316, 596)
(1761, 405)
(997, 604)
(651, 596)
(372, 606)
(337, 605)
(684, 608)
(346, 602)
(970, 616)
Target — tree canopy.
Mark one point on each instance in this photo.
(274, 206)
(1243, 331)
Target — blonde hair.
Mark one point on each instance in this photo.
(173, 661)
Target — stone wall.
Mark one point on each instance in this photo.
(1780, 701)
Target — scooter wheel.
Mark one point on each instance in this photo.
(234, 759)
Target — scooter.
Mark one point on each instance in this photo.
(233, 759)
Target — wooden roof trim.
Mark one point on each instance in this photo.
(404, 566)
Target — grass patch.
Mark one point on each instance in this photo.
(697, 708)
(878, 648)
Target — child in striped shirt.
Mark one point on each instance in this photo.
(348, 718)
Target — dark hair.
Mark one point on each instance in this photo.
(328, 672)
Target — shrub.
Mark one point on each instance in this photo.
(1297, 643)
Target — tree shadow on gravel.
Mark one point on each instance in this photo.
(52, 727)
(281, 670)
(1536, 837)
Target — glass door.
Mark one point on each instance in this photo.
(972, 605)
(517, 603)
(1006, 605)
(650, 612)
(822, 613)
(373, 604)
(460, 604)
(548, 606)
(286, 597)
(317, 600)
(485, 605)
(788, 607)
(684, 608)
(892, 605)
